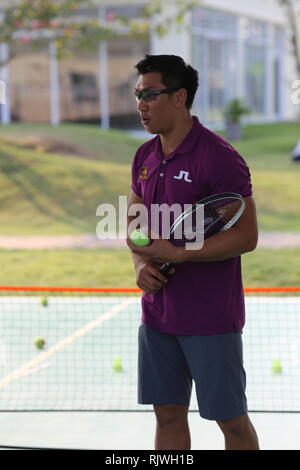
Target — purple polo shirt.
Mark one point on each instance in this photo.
(201, 297)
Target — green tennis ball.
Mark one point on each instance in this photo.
(44, 301)
(117, 364)
(139, 238)
(39, 342)
(276, 366)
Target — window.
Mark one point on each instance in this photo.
(210, 20)
(255, 78)
(279, 38)
(214, 56)
(84, 87)
(219, 39)
(255, 64)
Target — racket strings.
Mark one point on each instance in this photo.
(216, 215)
(228, 210)
(220, 212)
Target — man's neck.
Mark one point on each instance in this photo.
(173, 139)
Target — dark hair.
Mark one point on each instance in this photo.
(174, 71)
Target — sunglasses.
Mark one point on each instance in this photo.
(151, 95)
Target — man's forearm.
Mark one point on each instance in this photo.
(224, 245)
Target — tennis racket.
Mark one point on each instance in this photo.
(220, 213)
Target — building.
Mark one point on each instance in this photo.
(241, 50)
(83, 87)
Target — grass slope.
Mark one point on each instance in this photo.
(114, 268)
(47, 193)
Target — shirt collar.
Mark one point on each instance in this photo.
(185, 146)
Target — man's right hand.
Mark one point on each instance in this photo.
(149, 278)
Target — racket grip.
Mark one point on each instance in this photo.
(165, 268)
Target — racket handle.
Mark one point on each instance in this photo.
(165, 268)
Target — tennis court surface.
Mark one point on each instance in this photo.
(89, 360)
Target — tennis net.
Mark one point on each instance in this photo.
(88, 361)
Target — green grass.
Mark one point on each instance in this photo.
(52, 193)
(269, 146)
(275, 177)
(114, 268)
(76, 268)
(90, 140)
(46, 193)
(271, 268)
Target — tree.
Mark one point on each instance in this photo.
(292, 8)
(38, 21)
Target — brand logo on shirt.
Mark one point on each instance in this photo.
(183, 175)
(143, 175)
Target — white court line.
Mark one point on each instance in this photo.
(23, 370)
(38, 368)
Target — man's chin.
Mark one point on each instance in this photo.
(151, 130)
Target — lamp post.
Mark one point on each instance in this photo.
(4, 80)
(104, 88)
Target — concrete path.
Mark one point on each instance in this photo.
(89, 240)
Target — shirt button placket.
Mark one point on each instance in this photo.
(161, 185)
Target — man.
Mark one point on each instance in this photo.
(192, 320)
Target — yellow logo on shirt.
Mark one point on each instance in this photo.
(143, 175)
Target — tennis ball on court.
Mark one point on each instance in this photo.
(39, 342)
(139, 238)
(44, 301)
(117, 364)
(276, 366)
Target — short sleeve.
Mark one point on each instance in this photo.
(228, 172)
(135, 175)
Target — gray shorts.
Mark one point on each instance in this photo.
(167, 365)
